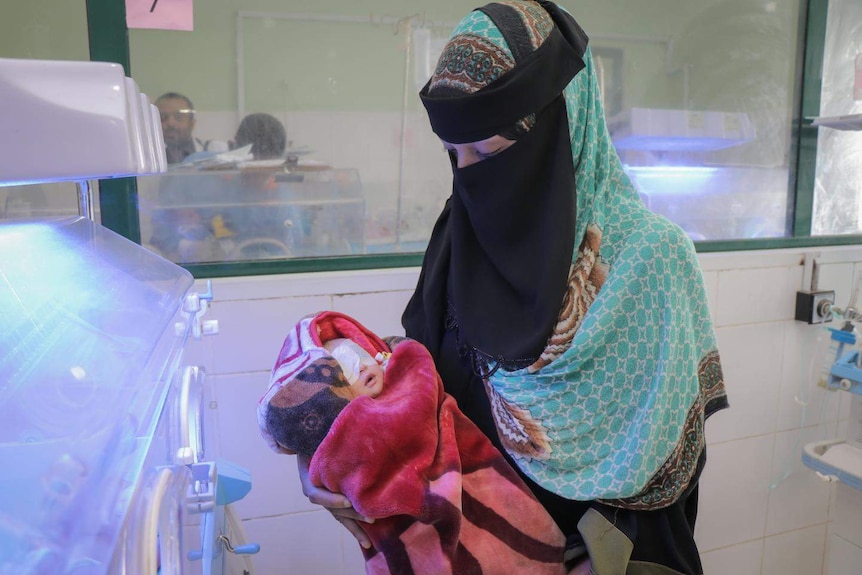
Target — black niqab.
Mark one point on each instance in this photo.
(500, 252)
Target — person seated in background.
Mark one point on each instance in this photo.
(441, 497)
(263, 232)
(178, 122)
(177, 114)
(265, 133)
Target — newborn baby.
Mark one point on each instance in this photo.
(443, 499)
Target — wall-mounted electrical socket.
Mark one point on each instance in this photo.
(814, 306)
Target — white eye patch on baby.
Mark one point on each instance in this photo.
(350, 356)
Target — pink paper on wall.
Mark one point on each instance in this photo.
(160, 14)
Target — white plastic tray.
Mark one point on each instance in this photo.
(835, 458)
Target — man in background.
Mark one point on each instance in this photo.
(178, 122)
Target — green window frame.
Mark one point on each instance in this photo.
(109, 42)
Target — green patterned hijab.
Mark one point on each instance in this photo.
(613, 408)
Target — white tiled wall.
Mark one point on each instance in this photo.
(761, 511)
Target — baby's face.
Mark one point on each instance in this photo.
(361, 371)
(370, 380)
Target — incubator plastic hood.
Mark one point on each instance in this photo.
(657, 129)
(65, 120)
(92, 325)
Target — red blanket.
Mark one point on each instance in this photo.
(443, 498)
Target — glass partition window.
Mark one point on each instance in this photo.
(838, 180)
(699, 100)
(704, 129)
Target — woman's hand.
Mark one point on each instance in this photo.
(335, 503)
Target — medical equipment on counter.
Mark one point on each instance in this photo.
(102, 458)
(841, 459)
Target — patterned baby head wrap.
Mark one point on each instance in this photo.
(300, 415)
(308, 386)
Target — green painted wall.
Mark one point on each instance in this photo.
(44, 29)
(312, 65)
(291, 64)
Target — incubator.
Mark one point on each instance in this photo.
(103, 466)
(249, 212)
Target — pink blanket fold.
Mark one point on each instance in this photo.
(443, 498)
